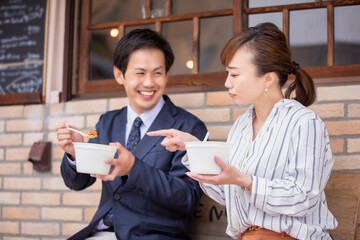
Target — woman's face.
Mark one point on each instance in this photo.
(243, 85)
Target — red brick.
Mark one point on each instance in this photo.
(21, 213)
(17, 183)
(353, 145)
(12, 198)
(212, 114)
(81, 199)
(10, 168)
(354, 110)
(219, 99)
(61, 213)
(9, 227)
(89, 213)
(343, 127)
(41, 199)
(337, 145)
(69, 229)
(349, 162)
(328, 110)
(42, 229)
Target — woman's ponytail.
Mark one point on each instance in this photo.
(303, 86)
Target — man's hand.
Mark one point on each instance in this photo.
(122, 165)
(66, 138)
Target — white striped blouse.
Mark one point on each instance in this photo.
(290, 161)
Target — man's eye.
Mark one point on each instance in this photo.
(139, 73)
(157, 73)
(234, 75)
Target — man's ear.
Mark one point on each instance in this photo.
(118, 76)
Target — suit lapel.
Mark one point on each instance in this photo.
(164, 120)
(119, 129)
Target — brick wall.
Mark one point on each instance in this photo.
(37, 205)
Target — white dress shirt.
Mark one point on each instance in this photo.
(290, 161)
(146, 117)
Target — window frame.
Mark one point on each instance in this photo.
(323, 75)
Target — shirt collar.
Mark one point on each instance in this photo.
(147, 117)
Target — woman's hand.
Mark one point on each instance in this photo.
(228, 175)
(122, 165)
(66, 138)
(174, 139)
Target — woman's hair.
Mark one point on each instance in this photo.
(141, 39)
(271, 53)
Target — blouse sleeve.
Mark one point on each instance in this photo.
(309, 166)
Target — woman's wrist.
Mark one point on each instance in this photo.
(248, 183)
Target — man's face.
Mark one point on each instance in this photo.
(145, 78)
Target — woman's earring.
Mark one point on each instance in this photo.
(266, 92)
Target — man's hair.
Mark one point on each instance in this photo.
(141, 39)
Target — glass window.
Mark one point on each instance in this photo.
(308, 37)
(116, 10)
(179, 35)
(267, 3)
(275, 18)
(157, 8)
(214, 32)
(347, 35)
(102, 47)
(195, 6)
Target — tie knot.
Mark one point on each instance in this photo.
(137, 121)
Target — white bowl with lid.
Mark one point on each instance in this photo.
(201, 155)
(90, 157)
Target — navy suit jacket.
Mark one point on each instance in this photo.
(157, 198)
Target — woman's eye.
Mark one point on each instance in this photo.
(233, 75)
(139, 73)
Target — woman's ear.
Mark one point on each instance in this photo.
(118, 76)
(270, 79)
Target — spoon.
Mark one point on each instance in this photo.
(206, 136)
(84, 134)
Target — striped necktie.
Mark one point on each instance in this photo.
(134, 136)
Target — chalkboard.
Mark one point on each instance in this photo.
(22, 45)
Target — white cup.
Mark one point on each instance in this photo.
(201, 155)
(90, 157)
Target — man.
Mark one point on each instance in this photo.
(146, 195)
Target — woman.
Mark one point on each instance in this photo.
(273, 186)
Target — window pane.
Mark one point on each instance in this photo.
(267, 3)
(102, 47)
(347, 35)
(214, 33)
(308, 37)
(116, 10)
(275, 18)
(194, 6)
(157, 8)
(179, 35)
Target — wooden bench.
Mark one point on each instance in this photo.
(343, 197)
